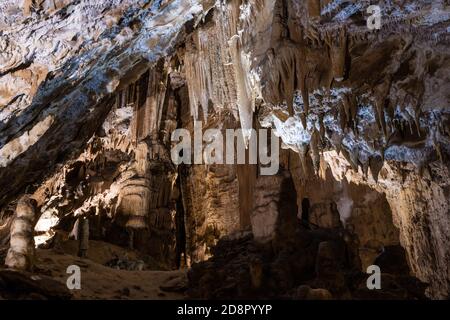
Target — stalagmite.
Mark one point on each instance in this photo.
(83, 236)
(21, 252)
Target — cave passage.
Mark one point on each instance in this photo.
(305, 212)
(180, 254)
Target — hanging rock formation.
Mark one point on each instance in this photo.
(92, 91)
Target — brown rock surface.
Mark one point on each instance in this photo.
(91, 92)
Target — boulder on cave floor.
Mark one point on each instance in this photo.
(23, 285)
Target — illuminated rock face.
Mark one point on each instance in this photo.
(21, 252)
(91, 91)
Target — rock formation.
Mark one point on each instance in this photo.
(91, 93)
(21, 252)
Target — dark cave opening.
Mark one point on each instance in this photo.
(180, 250)
(305, 212)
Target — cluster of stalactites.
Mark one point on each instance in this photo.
(209, 72)
(290, 64)
(293, 70)
(218, 70)
(146, 97)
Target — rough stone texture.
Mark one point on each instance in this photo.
(15, 285)
(91, 91)
(21, 252)
(310, 265)
(413, 213)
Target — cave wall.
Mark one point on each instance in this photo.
(90, 97)
(412, 212)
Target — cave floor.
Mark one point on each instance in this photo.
(101, 282)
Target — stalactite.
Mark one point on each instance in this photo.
(299, 49)
(213, 57)
(305, 94)
(321, 128)
(346, 107)
(342, 116)
(155, 100)
(287, 72)
(375, 165)
(349, 156)
(303, 159)
(354, 156)
(133, 202)
(353, 107)
(379, 105)
(245, 98)
(313, 8)
(365, 168)
(338, 53)
(337, 142)
(303, 119)
(417, 120)
(314, 147)
(278, 24)
(437, 147)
